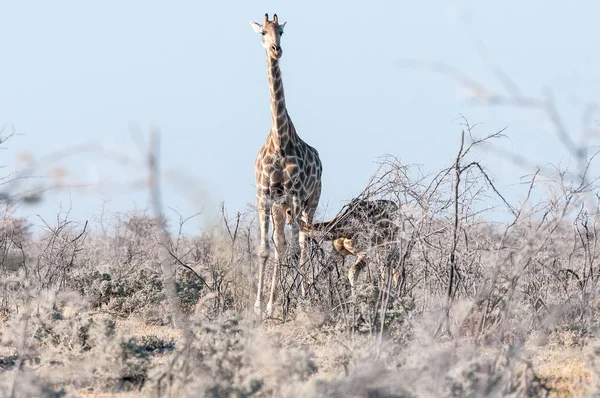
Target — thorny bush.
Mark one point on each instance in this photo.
(453, 313)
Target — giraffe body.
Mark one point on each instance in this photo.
(287, 172)
(362, 224)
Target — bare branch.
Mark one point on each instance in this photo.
(167, 269)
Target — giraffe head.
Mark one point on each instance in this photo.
(304, 226)
(271, 33)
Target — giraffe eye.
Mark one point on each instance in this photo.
(263, 33)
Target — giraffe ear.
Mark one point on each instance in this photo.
(282, 25)
(257, 27)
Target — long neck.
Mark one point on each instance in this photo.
(328, 230)
(279, 116)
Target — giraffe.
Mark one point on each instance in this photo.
(287, 172)
(349, 233)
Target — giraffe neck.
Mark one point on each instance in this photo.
(280, 121)
(328, 230)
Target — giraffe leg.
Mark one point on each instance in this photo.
(303, 261)
(293, 253)
(389, 263)
(342, 259)
(383, 270)
(281, 249)
(394, 273)
(295, 247)
(357, 267)
(264, 208)
(308, 212)
(338, 245)
(395, 278)
(295, 227)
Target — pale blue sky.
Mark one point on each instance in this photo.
(76, 72)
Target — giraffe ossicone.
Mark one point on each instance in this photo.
(287, 172)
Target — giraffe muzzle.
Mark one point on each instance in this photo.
(276, 51)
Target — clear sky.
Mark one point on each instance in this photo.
(75, 72)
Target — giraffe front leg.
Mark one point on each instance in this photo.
(340, 256)
(264, 208)
(258, 308)
(357, 267)
(281, 248)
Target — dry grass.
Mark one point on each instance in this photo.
(121, 308)
(566, 371)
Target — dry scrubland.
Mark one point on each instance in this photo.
(482, 308)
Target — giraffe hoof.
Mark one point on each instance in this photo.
(303, 291)
(269, 312)
(294, 254)
(257, 309)
(264, 252)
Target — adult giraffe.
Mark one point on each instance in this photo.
(287, 172)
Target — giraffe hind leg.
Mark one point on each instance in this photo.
(295, 213)
(281, 249)
(307, 214)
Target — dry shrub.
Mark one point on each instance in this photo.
(470, 295)
(227, 359)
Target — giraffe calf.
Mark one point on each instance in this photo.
(363, 223)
